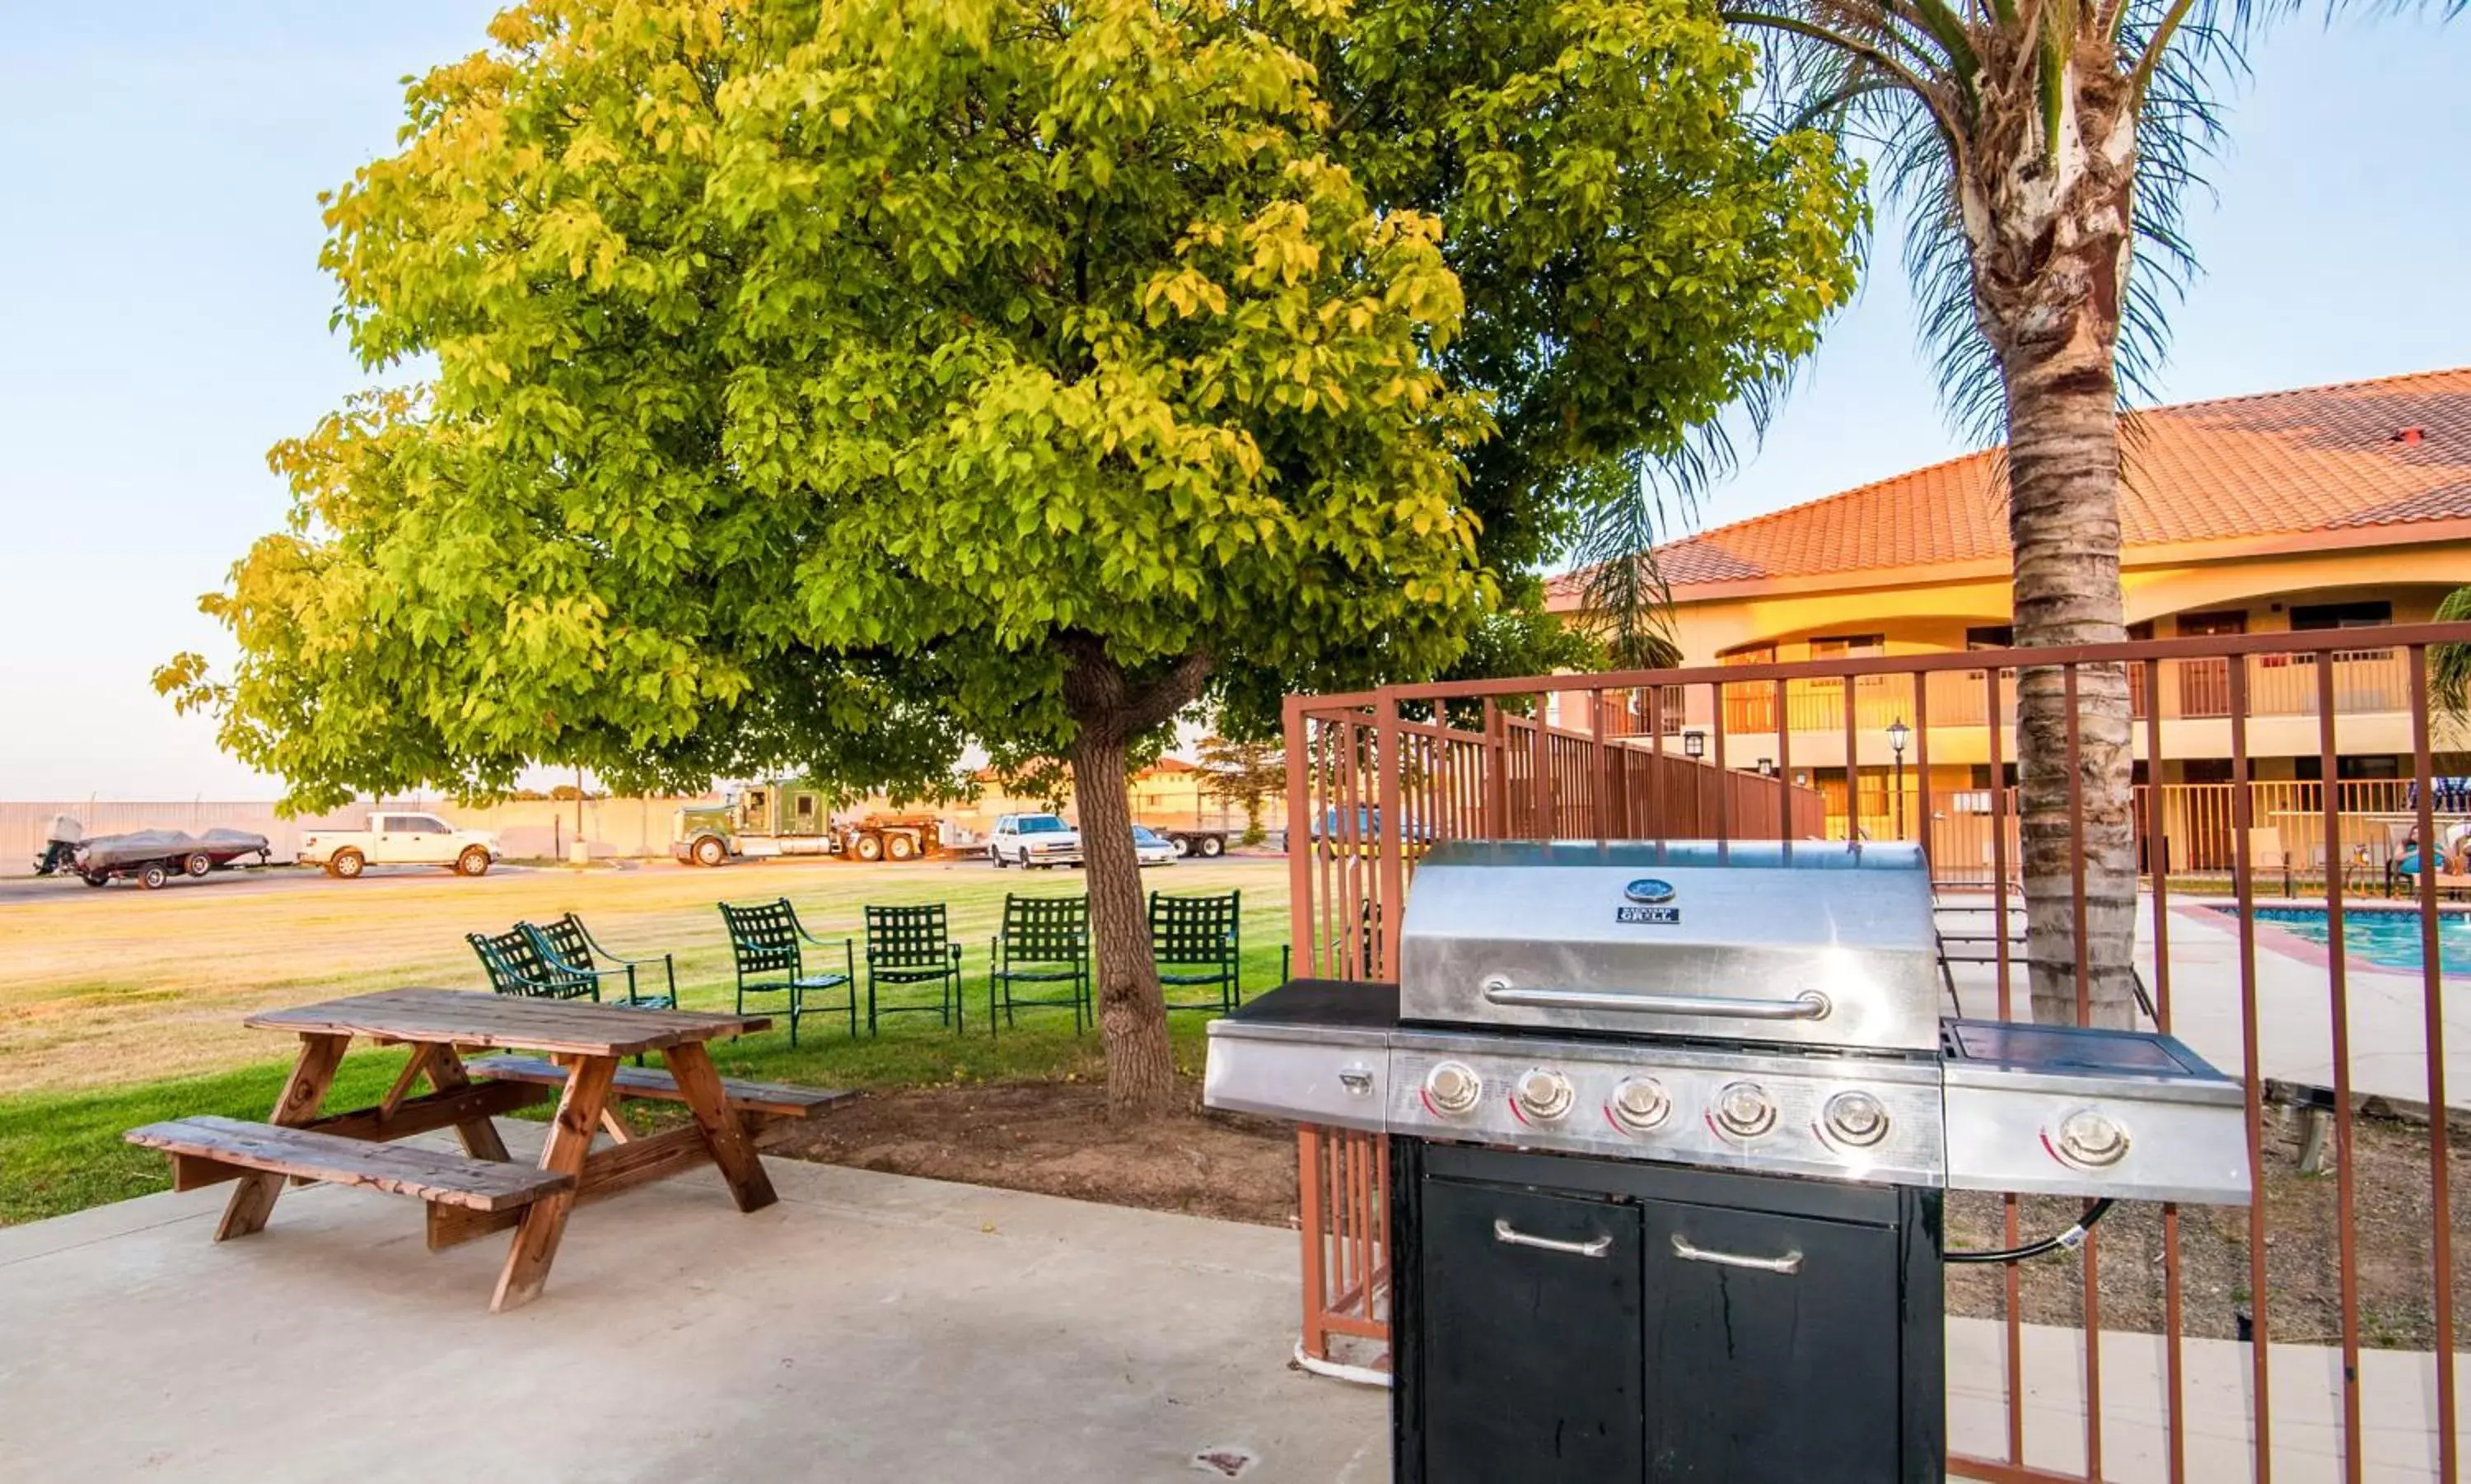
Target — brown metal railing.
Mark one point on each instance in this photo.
(1377, 777)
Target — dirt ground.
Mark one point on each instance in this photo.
(1054, 1139)
(2391, 1230)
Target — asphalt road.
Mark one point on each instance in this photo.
(277, 879)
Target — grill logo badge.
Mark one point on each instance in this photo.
(1652, 895)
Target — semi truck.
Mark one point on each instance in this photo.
(790, 817)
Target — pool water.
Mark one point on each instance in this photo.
(2387, 939)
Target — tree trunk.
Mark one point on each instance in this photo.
(1109, 711)
(2051, 255)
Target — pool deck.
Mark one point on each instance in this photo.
(2387, 1016)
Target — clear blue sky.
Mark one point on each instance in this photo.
(164, 320)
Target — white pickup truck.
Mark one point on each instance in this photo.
(400, 839)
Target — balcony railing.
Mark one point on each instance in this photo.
(2366, 682)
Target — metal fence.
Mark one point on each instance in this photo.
(2310, 1334)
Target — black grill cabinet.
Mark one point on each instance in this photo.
(1559, 1319)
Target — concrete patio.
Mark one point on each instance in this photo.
(867, 1326)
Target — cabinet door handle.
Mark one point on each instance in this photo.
(1790, 1262)
(1504, 1232)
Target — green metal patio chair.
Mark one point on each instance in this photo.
(768, 944)
(1045, 940)
(1195, 942)
(515, 965)
(568, 945)
(912, 945)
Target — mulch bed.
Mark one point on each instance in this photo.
(1054, 1139)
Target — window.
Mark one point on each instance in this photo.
(420, 824)
(806, 806)
(2311, 770)
(1041, 824)
(1990, 636)
(1838, 647)
(2341, 615)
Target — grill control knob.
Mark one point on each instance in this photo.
(1856, 1118)
(2091, 1139)
(1452, 1087)
(1544, 1095)
(1639, 1104)
(1744, 1110)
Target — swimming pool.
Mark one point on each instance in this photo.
(2384, 936)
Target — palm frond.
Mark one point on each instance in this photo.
(2449, 665)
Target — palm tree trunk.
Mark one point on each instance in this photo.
(2047, 288)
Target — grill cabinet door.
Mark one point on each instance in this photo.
(1532, 1355)
(1756, 1376)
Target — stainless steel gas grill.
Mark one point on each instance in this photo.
(1685, 1112)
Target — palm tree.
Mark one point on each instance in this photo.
(2038, 151)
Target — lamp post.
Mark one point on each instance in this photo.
(1898, 734)
(1694, 743)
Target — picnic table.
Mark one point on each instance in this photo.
(486, 1190)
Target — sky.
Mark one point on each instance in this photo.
(164, 321)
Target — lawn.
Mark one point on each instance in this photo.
(121, 1008)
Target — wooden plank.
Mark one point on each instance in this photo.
(252, 1200)
(641, 1161)
(606, 1173)
(468, 1017)
(774, 1100)
(479, 1136)
(570, 1142)
(414, 1065)
(473, 1100)
(723, 1132)
(397, 1169)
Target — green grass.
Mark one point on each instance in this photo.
(188, 979)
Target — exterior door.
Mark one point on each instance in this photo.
(2205, 684)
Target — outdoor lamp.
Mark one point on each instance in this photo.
(1694, 743)
(1897, 734)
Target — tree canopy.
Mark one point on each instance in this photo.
(833, 389)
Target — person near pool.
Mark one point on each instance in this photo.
(2454, 844)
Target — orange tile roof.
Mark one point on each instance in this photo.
(2317, 458)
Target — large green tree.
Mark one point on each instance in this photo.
(834, 388)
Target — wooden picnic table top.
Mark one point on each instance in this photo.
(463, 1017)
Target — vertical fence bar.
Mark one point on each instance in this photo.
(2337, 984)
(2157, 856)
(1922, 831)
(1604, 771)
(1724, 816)
(2244, 886)
(1291, 721)
(1783, 766)
(1539, 775)
(1655, 752)
(1852, 770)
(2014, 1311)
(1392, 884)
(2439, 1118)
(2090, 1255)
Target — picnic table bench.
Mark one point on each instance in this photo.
(484, 1189)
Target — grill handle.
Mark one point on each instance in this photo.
(1789, 1264)
(1504, 1232)
(1809, 1005)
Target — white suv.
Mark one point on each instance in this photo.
(1039, 840)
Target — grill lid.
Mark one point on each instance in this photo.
(1809, 943)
